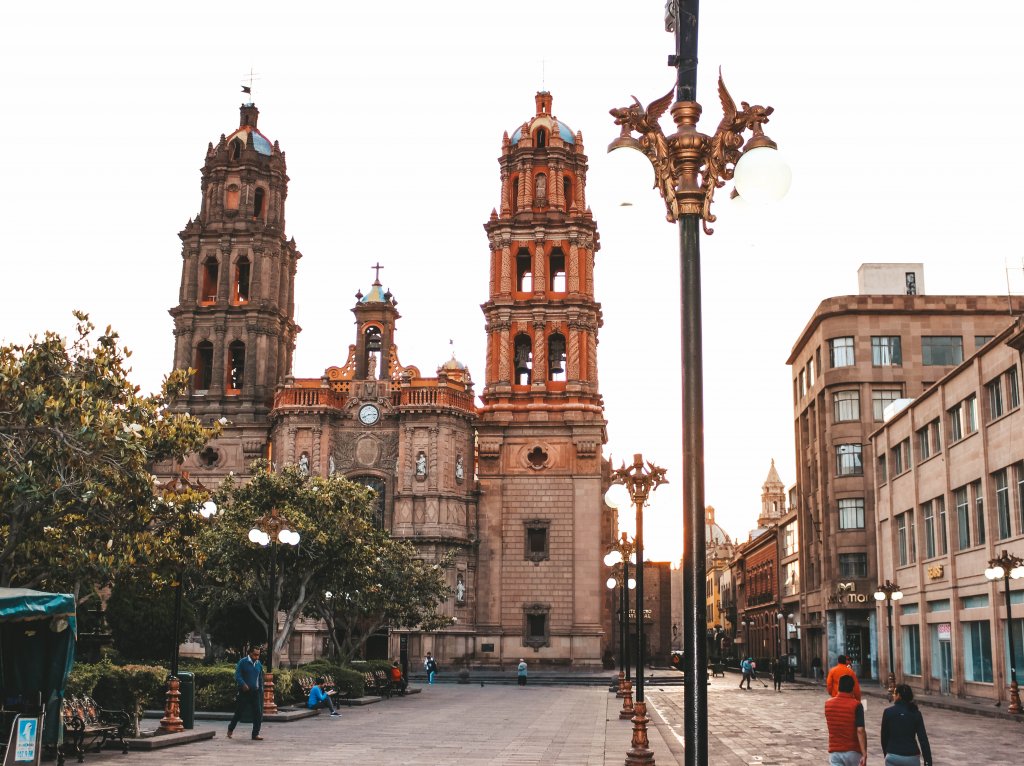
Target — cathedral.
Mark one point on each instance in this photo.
(513, 483)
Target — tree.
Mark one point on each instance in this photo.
(76, 442)
(141, 618)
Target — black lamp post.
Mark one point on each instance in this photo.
(1004, 567)
(619, 556)
(689, 166)
(889, 592)
(270, 530)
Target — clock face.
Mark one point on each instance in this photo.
(368, 414)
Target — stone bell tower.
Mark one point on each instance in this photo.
(541, 428)
(234, 322)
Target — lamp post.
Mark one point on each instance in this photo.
(689, 166)
(1004, 567)
(889, 592)
(171, 723)
(746, 623)
(622, 553)
(640, 479)
(780, 617)
(271, 529)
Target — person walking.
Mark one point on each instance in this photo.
(844, 715)
(777, 673)
(430, 665)
(249, 680)
(841, 669)
(521, 672)
(904, 740)
(816, 669)
(747, 669)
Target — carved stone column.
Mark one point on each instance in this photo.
(572, 270)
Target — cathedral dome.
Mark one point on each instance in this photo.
(260, 142)
(713, 534)
(564, 131)
(453, 364)
(376, 294)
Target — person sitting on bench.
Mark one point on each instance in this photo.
(319, 698)
(397, 679)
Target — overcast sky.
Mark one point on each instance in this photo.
(901, 122)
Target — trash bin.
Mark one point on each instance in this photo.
(187, 703)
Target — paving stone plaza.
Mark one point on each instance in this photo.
(498, 724)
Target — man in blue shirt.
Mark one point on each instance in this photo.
(318, 698)
(249, 678)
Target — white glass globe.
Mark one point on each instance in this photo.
(879, 596)
(255, 536)
(610, 583)
(762, 175)
(632, 584)
(1017, 572)
(284, 536)
(617, 496)
(294, 538)
(264, 539)
(627, 176)
(612, 558)
(897, 595)
(208, 510)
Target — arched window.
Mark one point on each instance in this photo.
(556, 271)
(257, 206)
(515, 195)
(523, 359)
(567, 191)
(540, 137)
(524, 271)
(231, 197)
(209, 279)
(377, 485)
(236, 149)
(236, 366)
(203, 366)
(541, 189)
(556, 357)
(242, 273)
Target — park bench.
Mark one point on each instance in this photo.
(87, 724)
(377, 683)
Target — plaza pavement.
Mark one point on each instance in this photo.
(503, 725)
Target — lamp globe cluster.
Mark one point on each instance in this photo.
(997, 572)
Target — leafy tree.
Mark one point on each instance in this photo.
(141, 618)
(76, 442)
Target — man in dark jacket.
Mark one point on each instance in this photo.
(249, 678)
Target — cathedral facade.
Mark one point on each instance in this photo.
(512, 484)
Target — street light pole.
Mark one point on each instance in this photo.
(1005, 567)
(621, 551)
(689, 166)
(889, 592)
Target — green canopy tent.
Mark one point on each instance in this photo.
(37, 650)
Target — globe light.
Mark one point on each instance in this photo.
(617, 496)
(610, 583)
(612, 558)
(255, 536)
(897, 595)
(208, 510)
(628, 175)
(284, 536)
(1017, 572)
(632, 583)
(879, 596)
(328, 594)
(295, 538)
(762, 175)
(264, 539)
(994, 573)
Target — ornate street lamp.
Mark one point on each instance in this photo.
(689, 166)
(639, 479)
(1005, 567)
(270, 530)
(889, 592)
(620, 556)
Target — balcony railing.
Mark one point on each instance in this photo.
(310, 398)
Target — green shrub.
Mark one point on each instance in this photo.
(215, 687)
(130, 688)
(84, 676)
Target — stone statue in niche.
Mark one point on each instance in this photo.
(304, 464)
(460, 589)
(460, 471)
(421, 465)
(331, 467)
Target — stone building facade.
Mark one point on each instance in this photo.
(857, 356)
(949, 496)
(514, 487)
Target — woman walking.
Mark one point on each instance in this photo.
(904, 740)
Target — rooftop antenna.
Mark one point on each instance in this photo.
(543, 74)
(247, 89)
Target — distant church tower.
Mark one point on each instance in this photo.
(234, 322)
(541, 429)
(773, 499)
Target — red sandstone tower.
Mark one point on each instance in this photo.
(542, 424)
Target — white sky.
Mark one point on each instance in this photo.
(901, 122)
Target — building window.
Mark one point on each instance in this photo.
(523, 356)
(882, 398)
(810, 373)
(981, 340)
(567, 192)
(524, 271)
(377, 485)
(840, 352)
(853, 565)
(971, 414)
(901, 457)
(817, 361)
(851, 513)
(790, 540)
(540, 136)
(994, 394)
(944, 350)
(204, 366)
(803, 381)
(242, 275)
(928, 441)
(1012, 389)
(537, 542)
(912, 650)
(1002, 503)
(901, 539)
(556, 271)
(882, 474)
(886, 351)
(536, 625)
(791, 578)
(236, 149)
(208, 292)
(556, 357)
(845, 406)
(979, 513)
(1018, 472)
(848, 460)
(940, 506)
(963, 518)
(928, 514)
(236, 366)
(979, 601)
(956, 422)
(257, 203)
(977, 652)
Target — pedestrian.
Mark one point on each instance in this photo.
(904, 740)
(747, 669)
(816, 669)
(841, 669)
(318, 698)
(521, 672)
(249, 680)
(777, 672)
(430, 665)
(398, 681)
(844, 715)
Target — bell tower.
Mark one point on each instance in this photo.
(234, 322)
(542, 426)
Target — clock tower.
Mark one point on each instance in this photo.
(543, 521)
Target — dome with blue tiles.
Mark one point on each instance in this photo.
(544, 120)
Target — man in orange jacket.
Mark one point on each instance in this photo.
(841, 669)
(847, 740)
